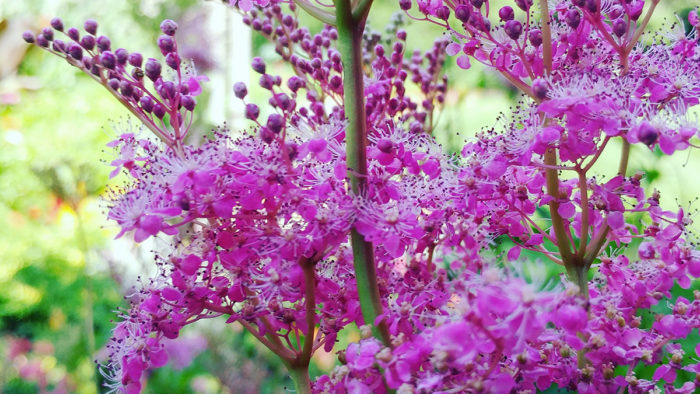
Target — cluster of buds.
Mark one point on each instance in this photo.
(165, 105)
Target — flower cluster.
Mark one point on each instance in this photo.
(275, 229)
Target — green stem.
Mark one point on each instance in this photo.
(300, 377)
(310, 295)
(350, 31)
(624, 158)
(583, 187)
(546, 36)
(552, 177)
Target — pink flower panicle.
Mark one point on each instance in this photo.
(259, 224)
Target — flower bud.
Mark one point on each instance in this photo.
(401, 34)
(166, 44)
(240, 90)
(103, 43)
(405, 4)
(513, 29)
(59, 46)
(87, 42)
(539, 88)
(443, 12)
(28, 37)
(188, 102)
(295, 83)
(75, 51)
(73, 33)
(258, 65)
(524, 4)
(283, 101)
(266, 81)
(91, 26)
(108, 60)
(619, 27)
(168, 27)
(336, 82)
(126, 88)
(252, 111)
(146, 104)
(267, 136)
(506, 13)
(172, 59)
(275, 122)
(152, 69)
(572, 18)
(159, 110)
(135, 59)
(122, 56)
(535, 37)
(167, 90)
(379, 50)
(48, 33)
(57, 24)
(462, 13)
(113, 83)
(477, 3)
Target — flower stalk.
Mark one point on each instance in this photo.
(350, 28)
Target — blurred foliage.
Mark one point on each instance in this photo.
(59, 271)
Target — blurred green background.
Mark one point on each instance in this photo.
(61, 273)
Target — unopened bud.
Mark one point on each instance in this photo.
(57, 24)
(252, 111)
(619, 27)
(535, 37)
(152, 69)
(572, 18)
(159, 110)
(506, 13)
(103, 43)
(47, 33)
(513, 29)
(275, 122)
(122, 56)
(188, 102)
(168, 27)
(91, 26)
(146, 104)
(135, 59)
(240, 90)
(108, 60)
(73, 33)
(258, 65)
(87, 42)
(28, 37)
(540, 88)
